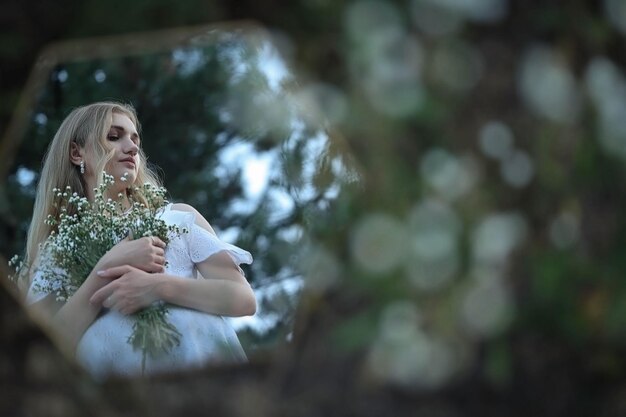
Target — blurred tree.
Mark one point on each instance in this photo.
(476, 267)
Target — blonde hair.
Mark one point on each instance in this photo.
(87, 126)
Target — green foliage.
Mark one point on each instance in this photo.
(539, 248)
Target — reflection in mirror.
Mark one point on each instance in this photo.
(223, 122)
(482, 247)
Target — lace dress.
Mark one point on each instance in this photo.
(104, 349)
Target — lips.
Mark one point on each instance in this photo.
(129, 161)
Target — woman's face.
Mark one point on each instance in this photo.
(124, 139)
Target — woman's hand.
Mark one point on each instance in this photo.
(146, 253)
(131, 289)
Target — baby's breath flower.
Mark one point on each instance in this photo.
(82, 238)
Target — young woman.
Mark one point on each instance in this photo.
(95, 323)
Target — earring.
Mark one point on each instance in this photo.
(82, 167)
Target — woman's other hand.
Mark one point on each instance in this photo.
(146, 254)
(130, 290)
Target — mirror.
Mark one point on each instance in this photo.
(226, 124)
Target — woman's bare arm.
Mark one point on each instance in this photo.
(71, 319)
(224, 291)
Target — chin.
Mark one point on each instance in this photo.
(131, 177)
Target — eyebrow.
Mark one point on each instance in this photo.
(134, 134)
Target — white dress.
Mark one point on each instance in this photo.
(104, 349)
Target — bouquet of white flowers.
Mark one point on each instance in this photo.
(80, 238)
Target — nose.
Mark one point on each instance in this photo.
(131, 148)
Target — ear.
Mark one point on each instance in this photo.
(76, 153)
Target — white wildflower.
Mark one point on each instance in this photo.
(89, 230)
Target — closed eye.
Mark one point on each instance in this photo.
(112, 138)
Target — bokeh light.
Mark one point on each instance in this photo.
(496, 139)
(322, 104)
(615, 11)
(548, 86)
(434, 256)
(606, 85)
(385, 60)
(450, 176)
(495, 237)
(405, 355)
(320, 268)
(517, 169)
(487, 307)
(378, 243)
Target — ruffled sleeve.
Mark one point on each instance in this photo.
(201, 243)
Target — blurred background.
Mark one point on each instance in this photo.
(431, 189)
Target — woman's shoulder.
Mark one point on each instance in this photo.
(199, 218)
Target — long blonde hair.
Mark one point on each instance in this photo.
(88, 127)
